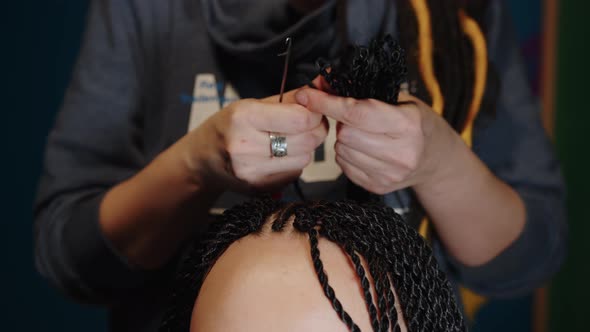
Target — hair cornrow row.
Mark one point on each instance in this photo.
(395, 256)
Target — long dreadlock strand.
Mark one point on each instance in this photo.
(477, 39)
(426, 53)
(448, 58)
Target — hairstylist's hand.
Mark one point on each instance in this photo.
(382, 147)
(231, 150)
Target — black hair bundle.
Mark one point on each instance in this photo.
(375, 71)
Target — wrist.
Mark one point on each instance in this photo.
(198, 165)
(457, 169)
(148, 216)
(449, 158)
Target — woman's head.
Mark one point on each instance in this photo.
(260, 263)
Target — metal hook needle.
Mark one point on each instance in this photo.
(287, 55)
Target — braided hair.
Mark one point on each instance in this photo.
(453, 57)
(395, 255)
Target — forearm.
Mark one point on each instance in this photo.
(476, 215)
(149, 216)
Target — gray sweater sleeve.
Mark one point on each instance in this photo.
(93, 146)
(515, 147)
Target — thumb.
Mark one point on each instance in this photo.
(288, 98)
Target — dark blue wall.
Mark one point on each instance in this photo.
(38, 54)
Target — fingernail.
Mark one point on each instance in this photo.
(301, 97)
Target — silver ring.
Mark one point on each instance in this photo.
(278, 145)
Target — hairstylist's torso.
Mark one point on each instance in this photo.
(193, 64)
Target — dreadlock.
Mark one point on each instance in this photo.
(445, 70)
(394, 253)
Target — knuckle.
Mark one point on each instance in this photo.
(297, 162)
(377, 189)
(353, 116)
(246, 104)
(239, 111)
(390, 156)
(231, 149)
(246, 110)
(393, 178)
(382, 190)
(302, 120)
(234, 147)
(311, 141)
(373, 103)
(233, 116)
(404, 175)
(241, 173)
(250, 176)
(249, 179)
(343, 134)
(410, 159)
(382, 186)
(349, 102)
(319, 137)
(305, 160)
(413, 122)
(352, 113)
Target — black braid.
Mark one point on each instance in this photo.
(360, 271)
(323, 278)
(396, 256)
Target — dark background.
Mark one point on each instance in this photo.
(39, 47)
